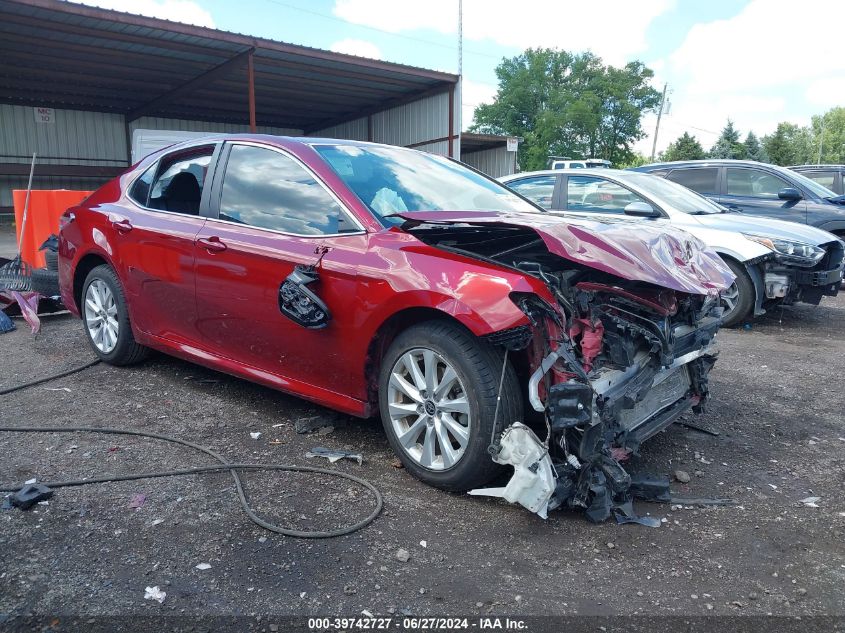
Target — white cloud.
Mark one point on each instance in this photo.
(474, 93)
(185, 11)
(361, 48)
(769, 43)
(826, 92)
(613, 29)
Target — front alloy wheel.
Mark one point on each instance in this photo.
(428, 409)
(437, 390)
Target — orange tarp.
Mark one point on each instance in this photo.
(45, 208)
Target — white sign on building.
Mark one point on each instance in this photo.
(44, 115)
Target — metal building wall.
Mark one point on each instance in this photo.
(496, 162)
(417, 122)
(159, 123)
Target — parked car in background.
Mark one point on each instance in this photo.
(561, 162)
(830, 176)
(759, 189)
(774, 262)
(382, 280)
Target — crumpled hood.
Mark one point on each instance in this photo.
(767, 227)
(633, 250)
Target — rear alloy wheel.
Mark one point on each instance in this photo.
(738, 300)
(106, 319)
(437, 394)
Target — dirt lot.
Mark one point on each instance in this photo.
(777, 404)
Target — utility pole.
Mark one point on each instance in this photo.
(657, 127)
(460, 87)
(821, 144)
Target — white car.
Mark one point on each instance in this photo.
(774, 262)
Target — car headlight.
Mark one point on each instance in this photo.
(789, 251)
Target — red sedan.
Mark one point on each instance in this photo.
(376, 279)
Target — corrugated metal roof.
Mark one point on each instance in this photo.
(74, 56)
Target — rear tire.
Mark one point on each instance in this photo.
(738, 300)
(105, 318)
(442, 436)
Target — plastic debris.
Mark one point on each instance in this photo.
(6, 324)
(403, 555)
(811, 502)
(29, 495)
(255, 435)
(424, 543)
(154, 593)
(137, 501)
(203, 566)
(334, 455)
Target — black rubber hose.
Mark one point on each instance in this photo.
(39, 381)
(224, 465)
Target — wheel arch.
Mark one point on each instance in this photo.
(754, 274)
(86, 264)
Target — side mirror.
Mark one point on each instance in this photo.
(640, 210)
(789, 193)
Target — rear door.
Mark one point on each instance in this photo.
(830, 178)
(154, 234)
(703, 180)
(755, 191)
(592, 195)
(272, 215)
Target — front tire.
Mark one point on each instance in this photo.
(438, 387)
(738, 300)
(106, 319)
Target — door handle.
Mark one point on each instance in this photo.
(212, 244)
(122, 226)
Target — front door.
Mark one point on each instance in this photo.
(755, 191)
(274, 217)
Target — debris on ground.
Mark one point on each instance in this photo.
(397, 463)
(154, 593)
(203, 566)
(423, 543)
(322, 424)
(6, 324)
(27, 497)
(682, 476)
(811, 502)
(334, 455)
(403, 555)
(137, 501)
(255, 435)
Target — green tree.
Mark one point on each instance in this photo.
(754, 150)
(685, 147)
(790, 144)
(728, 144)
(828, 132)
(567, 104)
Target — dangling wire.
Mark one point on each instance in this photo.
(499, 399)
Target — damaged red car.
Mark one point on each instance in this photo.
(380, 280)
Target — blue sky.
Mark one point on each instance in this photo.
(744, 59)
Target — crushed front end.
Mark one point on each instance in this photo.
(613, 366)
(618, 343)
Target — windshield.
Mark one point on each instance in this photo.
(671, 194)
(391, 181)
(818, 190)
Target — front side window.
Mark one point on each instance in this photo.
(181, 177)
(539, 190)
(394, 180)
(699, 179)
(754, 183)
(270, 190)
(597, 195)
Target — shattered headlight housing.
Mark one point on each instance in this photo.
(789, 251)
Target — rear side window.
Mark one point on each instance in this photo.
(181, 177)
(270, 190)
(701, 180)
(597, 195)
(753, 182)
(824, 178)
(539, 189)
(140, 191)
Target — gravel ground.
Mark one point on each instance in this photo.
(777, 405)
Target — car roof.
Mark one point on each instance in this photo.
(274, 139)
(706, 162)
(824, 166)
(600, 171)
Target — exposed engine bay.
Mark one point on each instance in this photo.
(609, 364)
